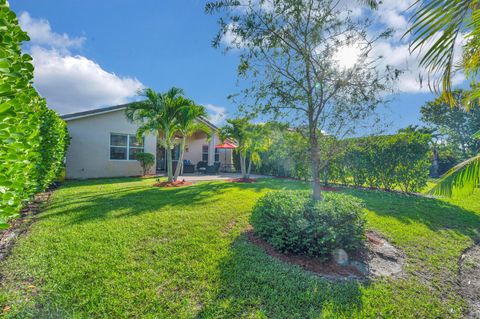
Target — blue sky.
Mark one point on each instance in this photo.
(89, 54)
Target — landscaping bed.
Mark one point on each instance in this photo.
(379, 259)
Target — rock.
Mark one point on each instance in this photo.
(340, 256)
(360, 266)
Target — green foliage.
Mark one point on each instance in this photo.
(390, 161)
(455, 125)
(160, 113)
(251, 140)
(34, 138)
(437, 28)
(146, 161)
(462, 179)
(188, 124)
(286, 155)
(292, 222)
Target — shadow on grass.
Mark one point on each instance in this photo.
(135, 199)
(434, 213)
(253, 284)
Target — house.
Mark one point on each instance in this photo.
(104, 143)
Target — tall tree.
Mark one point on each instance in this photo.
(291, 56)
(158, 114)
(188, 123)
(456, 125)
(441, 28)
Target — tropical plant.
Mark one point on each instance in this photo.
(33, 138)
(462, 179)
(438, 28)
(189, 122)
(236, 130)
(146, 160)
(158, 113)
(288, 52)
(251, 139)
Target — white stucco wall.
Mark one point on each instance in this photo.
(89, 152)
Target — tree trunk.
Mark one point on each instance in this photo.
(249, 169)
(179, 168)
(315, 161)
(242, 165)
(168, 145)
(435, 163)
(325, 175)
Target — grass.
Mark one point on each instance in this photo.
(122, 249)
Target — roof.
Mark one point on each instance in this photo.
(103, 110)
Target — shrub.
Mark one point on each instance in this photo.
(146, 161)
(33, 138)
(291, 222)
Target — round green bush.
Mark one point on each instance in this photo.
(291, 222)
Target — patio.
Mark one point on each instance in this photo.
(219, 177)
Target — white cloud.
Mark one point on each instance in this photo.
(74, 83)
(41, 33)
(217, 114)
(71, 83)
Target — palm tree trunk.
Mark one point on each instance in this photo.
(168, 145)
(249, 169)
(180, 160)
(242, 165)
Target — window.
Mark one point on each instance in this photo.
(205, 154)
(124, 146)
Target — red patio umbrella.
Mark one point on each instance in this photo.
(226, 146)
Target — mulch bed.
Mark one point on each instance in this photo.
(379, 258)
(327, 269)
(173, 184)
(242, 180)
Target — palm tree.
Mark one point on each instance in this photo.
(237, 130)
(443, 24)
(251, 140)
(188, 124)
(158, 113)
(463, 179)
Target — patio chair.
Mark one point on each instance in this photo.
(202, 167)
(213, 169)
(188, 167)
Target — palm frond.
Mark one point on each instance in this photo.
(477, 135)
(462, 179)
(440, 23)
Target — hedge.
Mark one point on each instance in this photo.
(33, 138)
(386, 161)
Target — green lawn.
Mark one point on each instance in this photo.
(122, 249)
